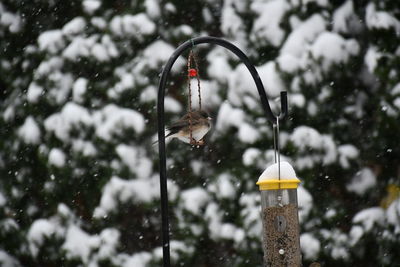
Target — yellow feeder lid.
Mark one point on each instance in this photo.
(274, 184)
(269, 179)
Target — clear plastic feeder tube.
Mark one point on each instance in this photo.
(279, 212)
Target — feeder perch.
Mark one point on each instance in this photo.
(281, 243)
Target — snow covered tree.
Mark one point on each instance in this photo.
(79, 175)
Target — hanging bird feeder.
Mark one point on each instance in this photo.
(193, 72)
(279, 211)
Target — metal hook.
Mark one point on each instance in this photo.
(277, 151)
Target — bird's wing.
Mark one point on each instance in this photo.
(182, 125)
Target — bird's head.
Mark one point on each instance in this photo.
(204, 115)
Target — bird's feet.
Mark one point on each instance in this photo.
(193, 142)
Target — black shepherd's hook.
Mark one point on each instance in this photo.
(161, 121)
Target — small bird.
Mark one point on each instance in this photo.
(200, 125)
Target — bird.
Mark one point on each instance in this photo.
(198, 122)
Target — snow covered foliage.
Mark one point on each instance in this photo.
(79, 175)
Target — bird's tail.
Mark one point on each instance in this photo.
(167, 136)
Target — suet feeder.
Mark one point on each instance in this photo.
(279, 211)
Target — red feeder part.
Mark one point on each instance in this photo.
(192, 72)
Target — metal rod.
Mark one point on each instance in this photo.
(161, 120)
(278, 148)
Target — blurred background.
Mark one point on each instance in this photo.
(79, 182)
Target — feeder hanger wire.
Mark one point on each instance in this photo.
(161, 119)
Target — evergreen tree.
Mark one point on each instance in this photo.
(79, 174)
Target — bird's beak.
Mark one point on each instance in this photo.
(209, 118)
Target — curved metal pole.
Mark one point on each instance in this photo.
(161, 120)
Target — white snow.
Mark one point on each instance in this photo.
(153, 8)
(100, 52)
(13, 22)
(297, 100)
(48, 66)
(118, 190)
(126, 82)
(250, 213)
(342, 16)
(250, 156)
(183, 30)
(268, 24)
(272, 172)
(315, 146)
(39, 230)
(248, 134)
(3, 200)
(79, 244)
(79, 89)
(72, 115)
(194, 199)
(346, 153)
(62, 86)
(227, 231)
(99, 23)
(363, 181)
(75, 26)
(218, 68)
(305, 202)
(232, 24)
(371, 58)
(393, 215)
(241, 83)
(52, 41)
(6, 260)
(109, 45)
(79, 47)
(296, 43)
(136, 26)
(380, 19)
(209, 94)
(29, 131)
(172, 105)
(213, 216)
(109, 240)
(229, 116)
(57, 157)
(271, 79)
(136, 160)
(90, 6)
(332, 49)
(34, 92)
(157, 54)
(85, 147)
(112, 120)
(140, 259)
(310, 246)
(178, 248)
(223, 187)
(356, 232)
(369, 217)
(148, 94)
(288, 63)
(395, 90)
(396, 102)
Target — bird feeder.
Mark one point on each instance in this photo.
(193, 72)
(281, 243)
